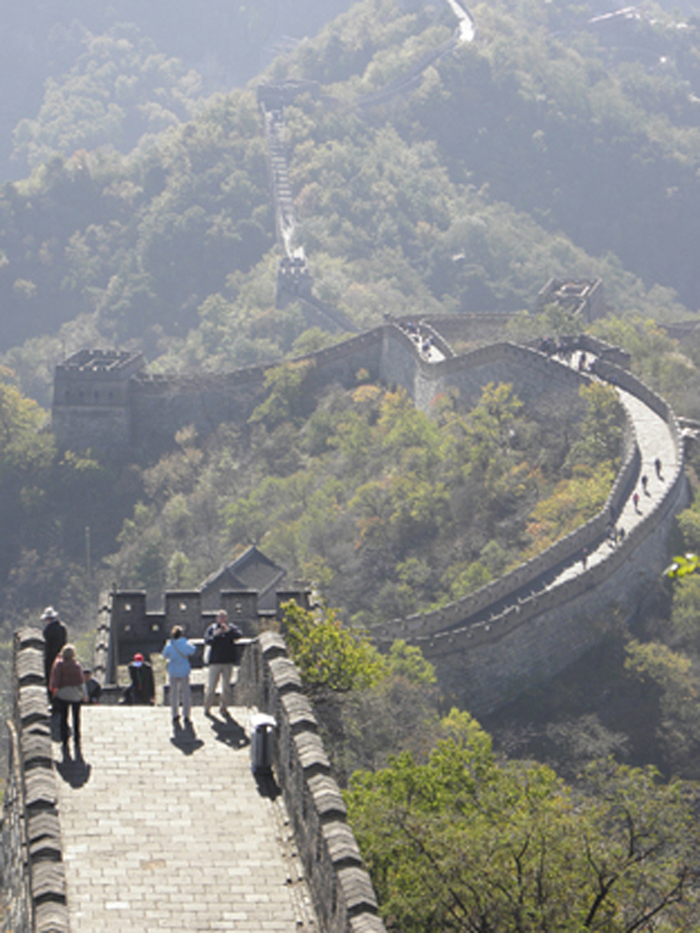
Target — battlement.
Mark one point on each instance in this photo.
(118, 364)
(96, 377)
(582, 297)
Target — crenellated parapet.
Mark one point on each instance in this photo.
(341, 888)
(32, 877)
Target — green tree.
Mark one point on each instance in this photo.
(285, 386)
(602, 428)
(329, 656)
(467, 843)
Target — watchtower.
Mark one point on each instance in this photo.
(91, 404)
(582, 297)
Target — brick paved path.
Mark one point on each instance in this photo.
(655, 440)
(173, 836)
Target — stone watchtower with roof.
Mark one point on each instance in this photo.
(91, 403)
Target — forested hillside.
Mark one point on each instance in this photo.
(537, 150)
(558, 143)
(95, 63)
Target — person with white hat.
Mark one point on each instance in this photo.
(55, 637)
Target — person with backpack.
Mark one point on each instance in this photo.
(177, 652)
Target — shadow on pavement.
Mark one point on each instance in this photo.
(229, 731)
(55, 726)
(186, 740)
(74, 771)
(267, 785)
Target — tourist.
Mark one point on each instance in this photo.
(93, 688)
(657, 467)
(141, 691)
(177, 652)
(635, 500)
(55, 637)
(67, 686)
(221, 654)
(645, 485)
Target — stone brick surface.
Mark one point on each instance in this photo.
(162, 833)
(342, 845)
(312, 754)
(32, 705)
(51, 917)
(30, 667)
(327, 798)
(358, 891)
(285, 674)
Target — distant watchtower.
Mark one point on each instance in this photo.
(91, 404)
(294, 280)
(582, 297)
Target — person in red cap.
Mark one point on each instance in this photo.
(141, 691)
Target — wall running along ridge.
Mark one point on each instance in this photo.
(569, 618)
(518, 632)
(32, 879)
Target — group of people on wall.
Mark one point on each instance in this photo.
(70, 685)
(221, 653)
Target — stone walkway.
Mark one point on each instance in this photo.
(174, 834)
(655, 440)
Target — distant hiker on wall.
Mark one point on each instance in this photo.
(67, 686)
(657, 467)
(635, 500)
(55, 637)
(645, 485)
(177, 652)
(141, 691)
(220, 640)
(93, 688)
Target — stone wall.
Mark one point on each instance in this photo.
(33, 879)
(516, 632)
(14, 873)
(476, 607)
(341, 889)
(161, 406)
(82, 426)
(156, 407)
(486, 665)
(544, 384)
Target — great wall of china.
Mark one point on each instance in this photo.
(62, 870)
(519, 630)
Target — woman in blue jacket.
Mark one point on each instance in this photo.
(177, 652)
